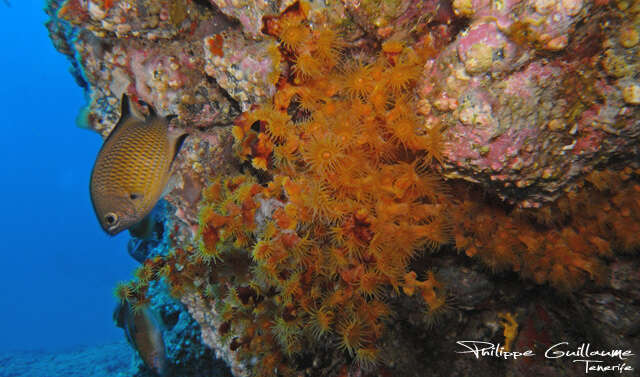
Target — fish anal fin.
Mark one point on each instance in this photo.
(172, 182)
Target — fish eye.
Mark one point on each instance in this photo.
(111, 218)
(133, 196)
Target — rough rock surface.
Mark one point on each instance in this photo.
(533, 96)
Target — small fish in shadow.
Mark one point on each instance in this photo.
(143, 329)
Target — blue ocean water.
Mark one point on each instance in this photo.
(58, 268)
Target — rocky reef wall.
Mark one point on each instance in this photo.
(368, 182)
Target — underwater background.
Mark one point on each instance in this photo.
(364, 185)
(59, 267)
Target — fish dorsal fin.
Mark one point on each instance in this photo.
(125, 114)
(150, 110)
(125, 107)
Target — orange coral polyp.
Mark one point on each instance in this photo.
(293, 34)
(370, 285)
(323, 154)
(358, 81)
(277, 124)
(403, 132)
(321, 321)
(353, 335)
(329, 44)
(307, 67)
(402, 77)
(433, 144)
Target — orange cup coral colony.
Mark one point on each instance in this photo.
(353, 195)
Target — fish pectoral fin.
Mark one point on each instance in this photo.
(143, 229)
(171, 184)
(176, 139)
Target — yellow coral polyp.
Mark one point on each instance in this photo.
(328, 45)
(367, 358)
(402, 75)
(293, 34)
(277, 123)
(123, 291)
(358, 80)
(307, 67)
(324, 154)
(320, 322)
(207, 253)
(353, 335)
(262, 251)
(144, 273)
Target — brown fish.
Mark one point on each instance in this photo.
(132, 168)
(143, 330)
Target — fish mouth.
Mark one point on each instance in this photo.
(126, 220)
(112, 231)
